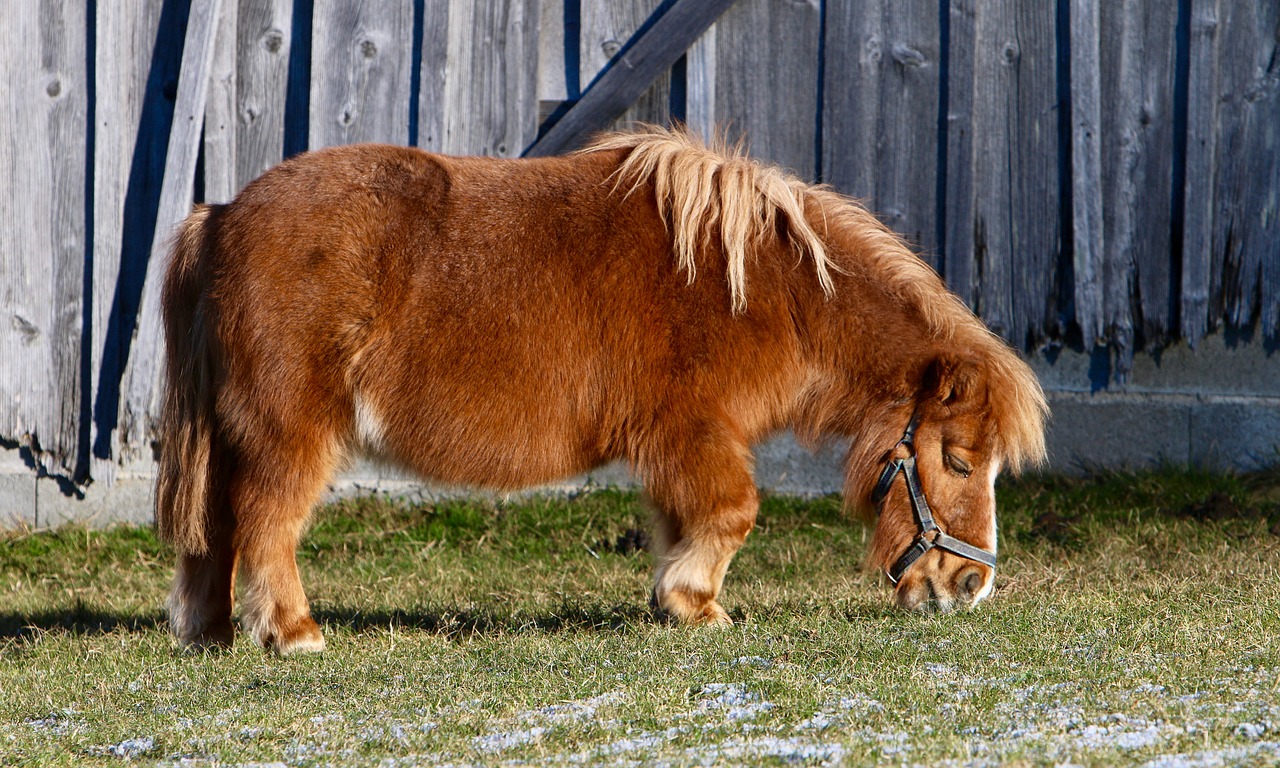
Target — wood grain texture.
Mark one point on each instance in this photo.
(633, 70)
(220, 110)
(1201, 164)
(1247, 188)
(140, 404)
(129, 110)
(607, 26)
(1086, 171)
(263, 42)
(44, 87)
(767, 80)
(1002, 230)
(479, 77)
(700, 84)
(880, 139)
(1136, 61)
(360, 72)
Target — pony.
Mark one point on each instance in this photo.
(502, 323)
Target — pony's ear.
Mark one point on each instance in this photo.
(952, 381)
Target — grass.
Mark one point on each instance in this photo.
(1135, 621)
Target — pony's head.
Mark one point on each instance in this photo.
(930, 475)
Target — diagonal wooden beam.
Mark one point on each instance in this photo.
(631, 72)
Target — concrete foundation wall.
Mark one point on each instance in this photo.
(1218, 407)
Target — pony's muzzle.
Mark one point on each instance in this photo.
(942, 583)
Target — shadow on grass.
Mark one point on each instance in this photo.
(452, 623)
(78, 620)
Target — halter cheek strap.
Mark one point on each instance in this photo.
(930, 535)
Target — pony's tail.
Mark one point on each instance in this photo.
(189, 453)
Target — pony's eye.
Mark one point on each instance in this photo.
(957, 464)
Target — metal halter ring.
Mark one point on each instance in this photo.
(930, 534)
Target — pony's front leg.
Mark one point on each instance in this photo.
(704, 512)
(272, 512)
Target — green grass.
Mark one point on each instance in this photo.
(1135, 618)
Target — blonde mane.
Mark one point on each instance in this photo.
(703, 186)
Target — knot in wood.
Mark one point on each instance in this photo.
(1011, 52)
(272, 40)
(872, 50)
(610, 47)
(54, 88)
(907, 56)
(368, 48)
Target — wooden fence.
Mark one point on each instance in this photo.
(1088, 172)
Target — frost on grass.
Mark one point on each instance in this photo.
(542, 720)
(733, 700)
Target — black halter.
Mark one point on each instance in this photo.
(930, 534)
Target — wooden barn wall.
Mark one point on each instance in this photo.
(1082, 172)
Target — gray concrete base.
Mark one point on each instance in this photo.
(1217, 407)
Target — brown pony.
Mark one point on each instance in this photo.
(504, 323)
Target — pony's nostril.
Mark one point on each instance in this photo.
(970, 584)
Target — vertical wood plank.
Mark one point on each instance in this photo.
(700, 90)
(767, 80)
(1201, 161)
(1247, 190)
(360, 72)
(220, 184)
(1136, 54)
(479, 77)
(554, 84)
(264, 31)
(607, 25)
(44, 87)
(141, 388)
(1086, 171)
(1003, 234)
(880, 111)
(125, 167)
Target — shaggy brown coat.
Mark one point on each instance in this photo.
(505, 323)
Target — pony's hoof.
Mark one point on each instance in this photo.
(713, 616)
(708, 614)
(302, 637)
(219, 637)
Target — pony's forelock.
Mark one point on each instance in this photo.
(704, 186)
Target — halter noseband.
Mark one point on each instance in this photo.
(930, 534)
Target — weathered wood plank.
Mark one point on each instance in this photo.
(880, 116)
(1201, 160)
(700, 85)
(1247, 189)
(140, 408)
(606, 26)
(44, 87)
(479, 77)
(132, 113)
(360, 72)
(556, 83)
(1086, 171)
(1136, 61)
(264, 36)
(767, 80)
(1002, 213)
(634, 69)
(220, 111)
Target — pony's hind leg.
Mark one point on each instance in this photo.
(706, 504)
(273, 497)
(201, 601)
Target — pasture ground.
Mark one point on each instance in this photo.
(1135, 622)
